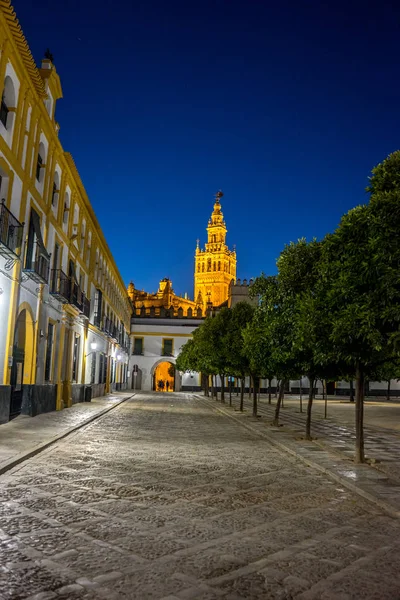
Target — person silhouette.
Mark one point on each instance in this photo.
(167, 385)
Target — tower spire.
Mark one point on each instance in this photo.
(215, 266)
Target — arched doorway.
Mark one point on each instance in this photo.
(22, 365)
(164, 377)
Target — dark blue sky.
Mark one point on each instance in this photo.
(284, 106)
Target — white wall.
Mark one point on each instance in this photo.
(153, 333)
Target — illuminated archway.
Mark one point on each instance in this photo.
(164, 377)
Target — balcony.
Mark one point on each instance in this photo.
(79, 300)
(60, 286)
(107, 326)
(39, 268)
(11, 232)
(86, 306)
(97, 319)
(68, 292)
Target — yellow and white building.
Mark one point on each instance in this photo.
(64, 310)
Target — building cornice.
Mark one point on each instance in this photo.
(22, 46)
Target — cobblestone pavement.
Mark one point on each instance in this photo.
(381, 444)
(24, 433)
(165, 498)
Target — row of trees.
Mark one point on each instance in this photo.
(332, 311)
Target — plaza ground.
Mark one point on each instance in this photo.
(165, 497)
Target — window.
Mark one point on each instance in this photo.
(219, 265)
(93, 368)
(215, 266)
(36, 256)
(3, 112)
(104, 368)
(75, 358)
(202, 268)
(53, 195)
(39, 166)
(49, 352)
(209, 264)
(98, 299)
(198, 268)
(54, 274)
(66, 209)
(167, 349)
(8, 102)
(138, 346)
(101, 367)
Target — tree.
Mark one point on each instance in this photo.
(360, 268)
(208, 353)
(238, 364)
(269, 341)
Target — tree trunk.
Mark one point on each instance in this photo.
(309, 408)
(301, 397)
(215, 387)
(269, 391)
(255, 382)
(359, 456)
(351, 391)
(230, 391)
(242, 381)
(237, 386)
(388, 391)
(277, 388)
(326, 399)
(250, 382)
(278, 404)
(222, 378)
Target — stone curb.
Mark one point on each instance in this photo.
(13, 462)
(310, 463)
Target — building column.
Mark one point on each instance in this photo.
(59, 399)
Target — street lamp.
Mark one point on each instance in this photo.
(93, 347)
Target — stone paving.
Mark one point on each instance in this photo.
(381, 444)
(23, 434)
(166, 498)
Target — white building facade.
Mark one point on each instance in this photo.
(155, 342)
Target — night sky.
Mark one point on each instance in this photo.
(285, 106)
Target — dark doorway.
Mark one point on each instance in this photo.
(17, 375)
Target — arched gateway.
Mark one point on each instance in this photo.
(165, 377)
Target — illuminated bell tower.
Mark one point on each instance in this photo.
(215, 266)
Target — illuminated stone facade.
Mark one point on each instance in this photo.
(64, 311)
(215, 265)
(156, 305)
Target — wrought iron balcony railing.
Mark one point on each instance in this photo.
(60, 286)
(86, 306)
(11, 231)
(39, 268)
(107, 325)
(79, 300)
(97, 319)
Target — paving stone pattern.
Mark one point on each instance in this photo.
(165, 498)
(25, 433)
(381, 444)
